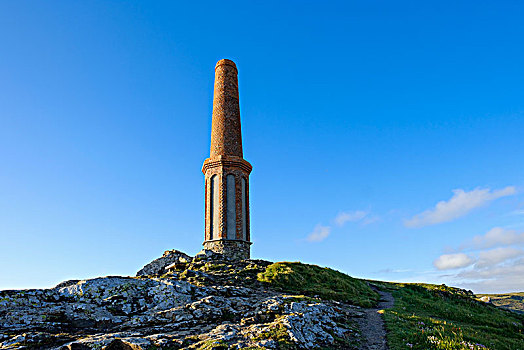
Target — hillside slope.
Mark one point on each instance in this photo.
(429, 316)
(510, 301)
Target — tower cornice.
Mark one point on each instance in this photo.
(227, 162)
(226, 62)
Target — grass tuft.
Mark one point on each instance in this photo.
(318, 281)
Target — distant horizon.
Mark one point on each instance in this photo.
(386, 139)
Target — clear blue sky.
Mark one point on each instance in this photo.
(360, 120)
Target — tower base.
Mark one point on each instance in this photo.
(236, 250)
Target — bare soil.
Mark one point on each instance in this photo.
(372, 324)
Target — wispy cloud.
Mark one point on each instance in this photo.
(319, 234)
(499, 278)
(495, 237)
(495, 256)
(350, 216)
(495, 271)
(460, 204)
(453, 261)
(486, 258)
(494, 262)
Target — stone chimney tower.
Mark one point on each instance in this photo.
(226, 172)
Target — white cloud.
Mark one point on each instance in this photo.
(370, 219)
(496, 262)
(319, 234)
(496, 271)
(350, 216)
(497, 236)
(494, 256)
(460, 204)
(453, 261)
(500, 278)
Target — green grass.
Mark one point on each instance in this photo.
(313, 280)
(440, 317)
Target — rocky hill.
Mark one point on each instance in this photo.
(180, 302)
(209, 302)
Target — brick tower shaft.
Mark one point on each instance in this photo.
(226, 135)
(226, 172)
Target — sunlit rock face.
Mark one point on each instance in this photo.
(158, 266)
(175, 302)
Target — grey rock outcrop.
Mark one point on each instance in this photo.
(201, 303)
(157, 266)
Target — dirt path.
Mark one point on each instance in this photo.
(372, 324)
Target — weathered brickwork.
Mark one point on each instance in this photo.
(226, 137)
(226, 158)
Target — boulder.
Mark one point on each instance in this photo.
(158, 266)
